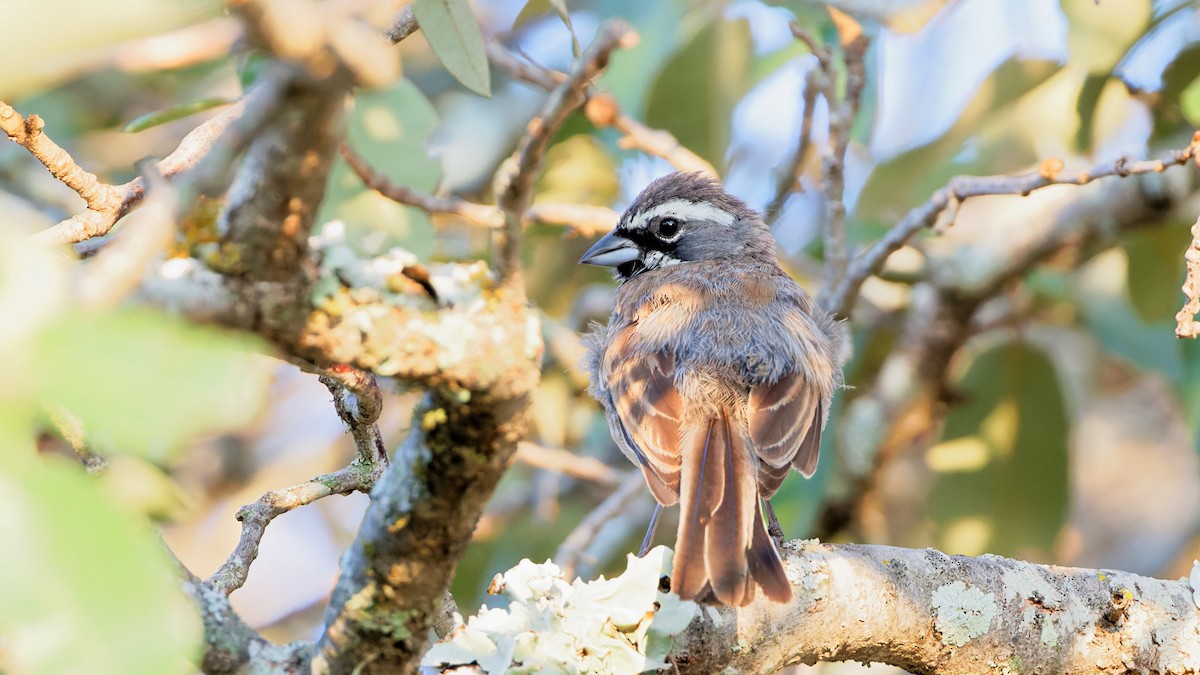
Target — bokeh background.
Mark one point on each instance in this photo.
(1071, 435)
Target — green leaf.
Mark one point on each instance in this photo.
(1003, 457)
(1179, 75)
(1085, 107)
(532, 10)
(172, 113)
(389, 128)
(1189, 102)
(698, 88)
(250, 65)
(1156, 270)
(662, 26)
(1099, 34)
(1117, 325)
(86, 589)
(143, 383)
(454, 35)
(536, 8)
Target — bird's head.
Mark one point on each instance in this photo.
(680, 218)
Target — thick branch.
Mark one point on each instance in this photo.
(941, 208)
(419, 523)
(515, 177)
(928, 612)
(274, 197)
(233, 647)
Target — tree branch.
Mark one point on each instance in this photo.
(905, 406)
(921, 610)
(603, 111)
(204, 152)
(941, 208)
(358, 402)
(232, 647)
(928, 612)
(841, 118)
(616, 504)
(420, 521)
(583, 220)
(27, 132)
(568, 464)
(789, 181)
(280, 183)
(403, 25)
(514, 179)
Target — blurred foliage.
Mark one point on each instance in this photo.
(108, 371)
(389, 128)
(1000, 476)
(1003, 458)
(81, 566)
(698, 87)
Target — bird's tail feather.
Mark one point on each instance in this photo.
(722, 544)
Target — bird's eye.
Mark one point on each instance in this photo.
(668, 227)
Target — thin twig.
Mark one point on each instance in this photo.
(522, 69)
(479, 214)
(403, 25)
(603, 110)
(1186, 325)
(789, 180)
(27, 132)
(204, 152)
(358, 402)
(515, 178)
(841, 300)
(70, 428)
(584, 220)
(115, 271)
(571, 550)
(255, 517)
(841, 118)
(568, 464)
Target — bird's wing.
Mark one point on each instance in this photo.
(647, 409)
(785, 423)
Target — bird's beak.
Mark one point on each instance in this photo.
(611, 251)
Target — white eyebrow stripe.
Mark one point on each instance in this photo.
(685, 211)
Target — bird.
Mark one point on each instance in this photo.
(716, 371)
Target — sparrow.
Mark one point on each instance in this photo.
(715, 372)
